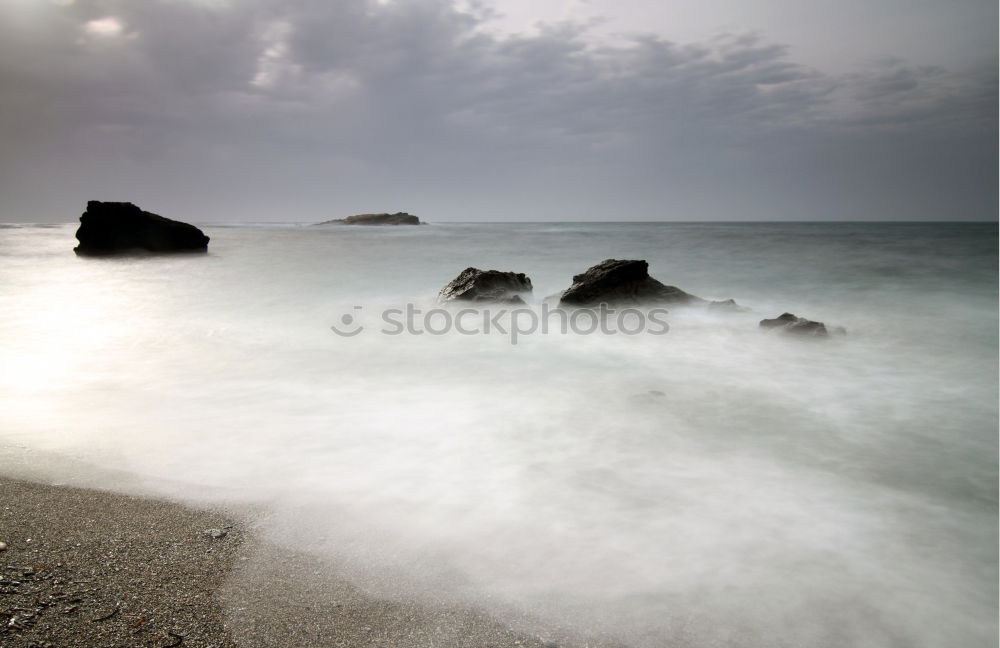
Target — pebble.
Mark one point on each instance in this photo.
(3, 546)
(216, 533)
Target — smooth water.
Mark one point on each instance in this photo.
(775, 492)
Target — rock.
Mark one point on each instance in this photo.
(781, 320)
(3, 546)
(726, 305)
(115, 227)
(807, 327)
(399, 218)
(789, 323)
(495, 286)
(215, 533)
(617, 281)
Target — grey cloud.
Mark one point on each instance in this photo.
(925, 101)
(326, 107)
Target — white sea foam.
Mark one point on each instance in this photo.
(716, 485)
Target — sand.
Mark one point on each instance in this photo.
(92, 569)
(89, 568)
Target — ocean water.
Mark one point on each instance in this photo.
(716, 485)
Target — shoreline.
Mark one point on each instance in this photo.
(86, 568)
(94, 568)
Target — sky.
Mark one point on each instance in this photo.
(523, 110)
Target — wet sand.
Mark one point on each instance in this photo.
(88, 568)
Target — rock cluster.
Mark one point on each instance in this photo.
(614, 282)
(115, 227)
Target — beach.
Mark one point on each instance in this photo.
(91, 568)
(87, 568)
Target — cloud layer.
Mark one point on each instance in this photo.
(312, 109)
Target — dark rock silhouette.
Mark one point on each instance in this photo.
(495, 286)
(617, 281)
(399, 218)
(117, 227)
(791, 324)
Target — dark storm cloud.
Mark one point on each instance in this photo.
(310, 109)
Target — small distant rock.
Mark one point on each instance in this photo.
(216, 533)
(117, 227)
(3, 546)
(399, 218)
(794, 325)
(477, 285)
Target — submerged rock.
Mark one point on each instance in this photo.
(116, 227)
(794, 325)
(399, 218)
(781, 320)
(616, 281)
(495, 286)
(726, 305)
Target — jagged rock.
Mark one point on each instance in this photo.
(478, 285)
(399, 218)
(617, 281)
(789, 323)
(115, 227)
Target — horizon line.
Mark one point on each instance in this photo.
(554, 222)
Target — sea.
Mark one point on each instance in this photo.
(698, 482)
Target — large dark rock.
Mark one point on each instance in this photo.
(791, 324)
(617, 281)
(116, 227)
(477, 285)
(399, 218)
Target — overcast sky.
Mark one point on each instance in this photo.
(305, 110)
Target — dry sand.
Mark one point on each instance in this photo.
(95, 569)
(88, 568)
